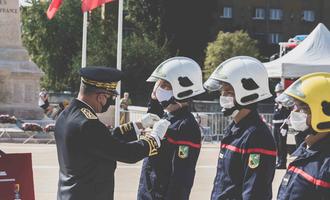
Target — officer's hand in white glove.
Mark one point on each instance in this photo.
(149, 120)
(160, 128)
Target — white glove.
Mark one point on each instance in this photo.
(283, 132)
(149, 120)
(160, 129)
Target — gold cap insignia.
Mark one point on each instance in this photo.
(107, 86)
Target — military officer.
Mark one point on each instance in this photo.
(308, 176)
(281, 113)
(246, 163)
(170, 174)
(87, 150)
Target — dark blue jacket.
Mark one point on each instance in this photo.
(308, 176)
(170, 174)
(87, 153)
(246, 164)
(281, 113)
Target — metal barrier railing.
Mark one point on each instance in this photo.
(212, 124)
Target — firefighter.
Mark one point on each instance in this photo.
(281, 113)
(308, 176)
(246, 163)
(170, 174)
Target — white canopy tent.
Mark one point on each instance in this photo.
(311, 55)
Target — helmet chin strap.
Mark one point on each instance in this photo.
(229, 111)
(164, 104)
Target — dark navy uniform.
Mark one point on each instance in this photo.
(299, 137)
(281, 113)
(246, 164)
(170, 174)
(308, 176)
(87, 151)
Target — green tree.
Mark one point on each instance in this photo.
(145, 17)
(141, 56)
(228, 45)
(52, 44)
(55, 45)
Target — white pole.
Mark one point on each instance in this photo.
(84, 41)
(119, 56)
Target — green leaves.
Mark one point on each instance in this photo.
(55, 45)
(52, 44)
(228, 45)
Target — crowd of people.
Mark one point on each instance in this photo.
(249, 152)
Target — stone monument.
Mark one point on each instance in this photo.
(19, 76)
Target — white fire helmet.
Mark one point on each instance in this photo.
(184, 75)
(246, 75)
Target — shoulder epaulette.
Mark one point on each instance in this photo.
(88, 114)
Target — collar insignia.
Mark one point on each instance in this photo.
(88, 114)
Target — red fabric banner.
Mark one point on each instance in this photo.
(288, 82)
(88, 5)
(53, 7)
(16, 176)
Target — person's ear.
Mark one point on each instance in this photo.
(99, 97)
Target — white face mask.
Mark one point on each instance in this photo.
(163, 95)
(298, 121)
(227, 102)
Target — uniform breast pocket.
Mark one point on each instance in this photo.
(232, 163)
(224, 161)
(220, 158)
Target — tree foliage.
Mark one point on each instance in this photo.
(52, 44)
(55, 46)
(142, 56)
(185, 25)
(145, 17)
(228, 45)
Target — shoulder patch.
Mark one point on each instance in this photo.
(183, 151)
(88, 114)
(254, 160)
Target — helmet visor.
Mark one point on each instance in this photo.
(212, 84)
(285, 100)
(152, 79)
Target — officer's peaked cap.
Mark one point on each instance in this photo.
(101, 77)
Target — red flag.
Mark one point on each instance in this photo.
(53, 7)
(88, 5)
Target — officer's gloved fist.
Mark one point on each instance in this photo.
(149, 120)
(159, 130)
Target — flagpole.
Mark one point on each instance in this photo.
(84, 41)
(119, 57)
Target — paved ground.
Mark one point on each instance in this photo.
(45, 169)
